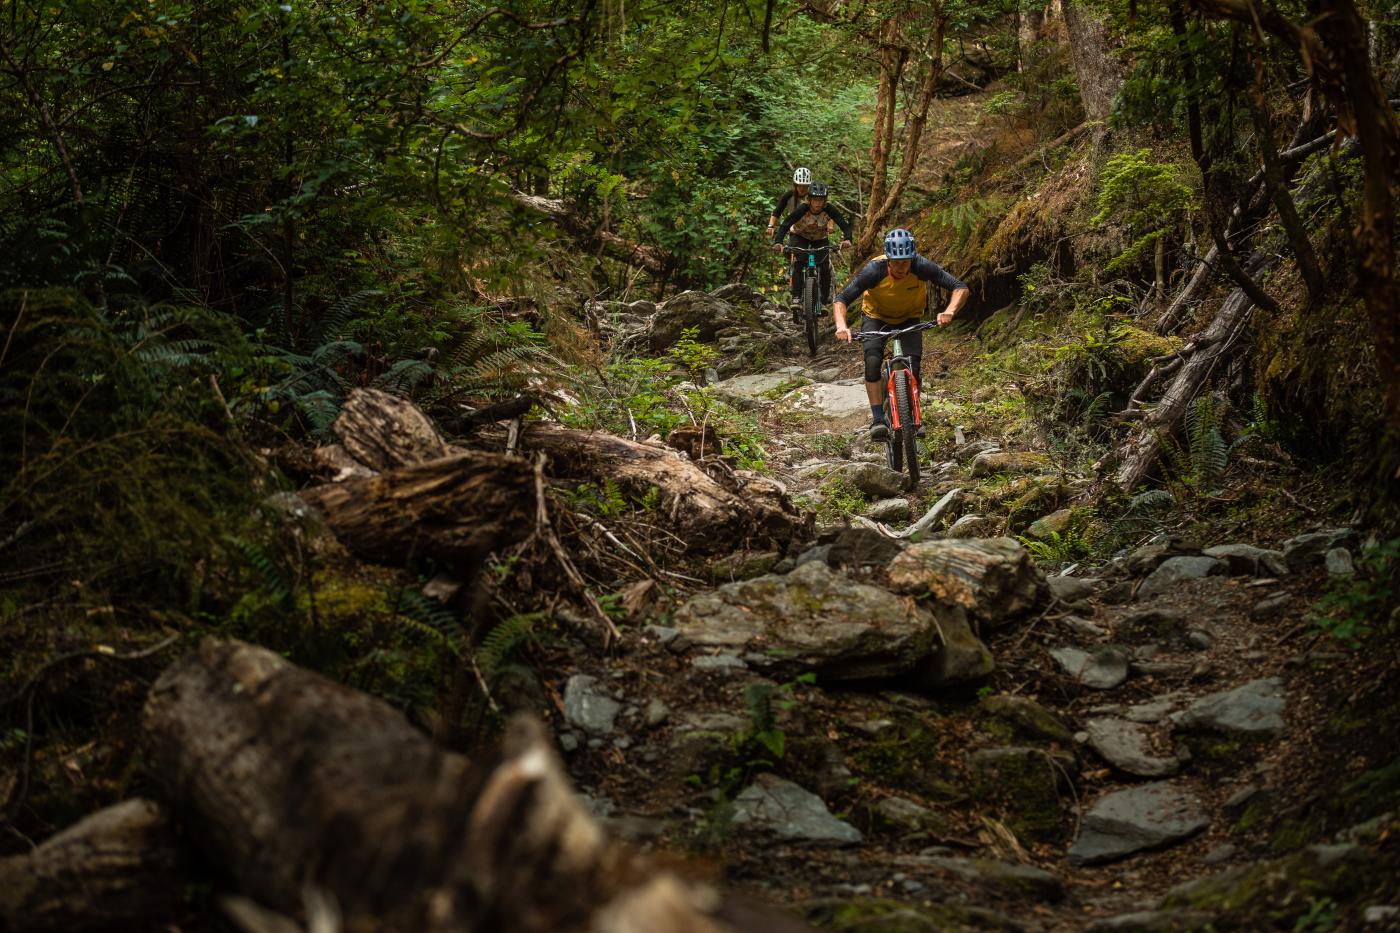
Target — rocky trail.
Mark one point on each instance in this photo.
(935, 734)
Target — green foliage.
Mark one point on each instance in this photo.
(1355, 607)
(1198, 467)
(506, 639)
(693, 356)
(1148, 198)
(1059, 547)
(839, 499)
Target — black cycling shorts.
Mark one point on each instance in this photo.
(911, 344)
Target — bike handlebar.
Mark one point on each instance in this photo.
(886, 334)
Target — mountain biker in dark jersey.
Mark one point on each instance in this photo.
(895, 289)
(801, 184)
(809, 226)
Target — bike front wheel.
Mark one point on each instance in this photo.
(903, 443)
(809, 313)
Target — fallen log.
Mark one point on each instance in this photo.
(119, 868)
(295, 784)
(383, 431)
(455, 509)
(743, 510)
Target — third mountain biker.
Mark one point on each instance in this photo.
(810, 225)
(895, 286)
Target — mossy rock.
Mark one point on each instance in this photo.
(906, 757)
(881, 915)
(1021, 718)
(1136, 346)
(1272, 895)
(1027, 786)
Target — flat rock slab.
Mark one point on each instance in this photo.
(1009, 461)
(1139, 819)
(1255, 709)
(842, 405)
(1173, 570)
(791, 813)
(888, 510)
(812, 619)
(1100, 669)
(755, 389)
(1311, 548)
(1127, 746)
(1073, 589)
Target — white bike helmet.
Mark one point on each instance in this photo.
(802, 176)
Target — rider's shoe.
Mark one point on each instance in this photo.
(879, 431)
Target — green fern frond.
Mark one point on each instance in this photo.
(274, 577)
(504, 639)
(334, 322)
(403, 376)
(422, 611)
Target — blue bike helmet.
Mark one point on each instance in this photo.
(818, 189)
(899, 244)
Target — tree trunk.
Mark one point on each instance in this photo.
(306, 791)
(710, 514)
(455, 509)
(119, 868)
(1097, 70)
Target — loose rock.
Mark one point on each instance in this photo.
(1009, 461)
(1100, 669)
(1138, 819)
(1310, 549)
(994, 579)
(1025, 719)
(1270, 607)
(1255, 709)
(1072, 589)
(1127, 746)
(1175, 569)
(588, 707)
(1339, 563)
(889, 510)
(1047, 526)
(1247, 560)
(790, 813)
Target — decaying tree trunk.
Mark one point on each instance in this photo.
(299, 786)
(455, 509)
(1098, 71)
(709, 515)
(119, 868)
(383, 431)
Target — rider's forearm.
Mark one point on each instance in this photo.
(957, 300)
(838, 312)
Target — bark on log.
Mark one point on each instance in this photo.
(384, 432)
(116, 869)
(993, 579)
(745, 511)
(619, 248)
(455, 509)
(295, 783)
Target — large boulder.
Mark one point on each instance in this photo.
(707, 313)
(1254, 709)
(812, 619)
(993, 579)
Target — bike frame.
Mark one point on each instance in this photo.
(897, 361)
(811, 266)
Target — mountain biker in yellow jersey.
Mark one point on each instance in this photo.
(801, 184)
(895, 287)
(810, 225)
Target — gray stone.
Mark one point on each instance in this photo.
(1154, 921)
(1083, 627)
(817, 555)
(662, 633)
(708, 314)
(1176, 569)
(812, 619)
(1220, 854)
(1072, 589)
(1247, 560)
(888, 510)
(721, 663)
(588, 707)
(1150, 556)
(1154, 624)
(792, 814)
(972, 526)
(1009, 461)
(826, 375)
(1138, 819)
(568, 742)
(1153, 711)
(1380, 913)
(1270, 607)
(656, 712)
(1118, 593)
(1127, 746)
(971, 449)
(859, 546)
(1254, 709)
(1339, 563)
(755, 389)
(1309, 549)
(907, 815)
(874, 480)
(1200, 640)
(1100, 669)
(993, 579)
(841, 406)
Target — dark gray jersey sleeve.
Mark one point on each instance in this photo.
(872, 274)
(841, 222)
(792, 218)
(930, 271)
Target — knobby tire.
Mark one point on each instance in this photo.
(809, 312)
(905, 443)
(894, 453)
